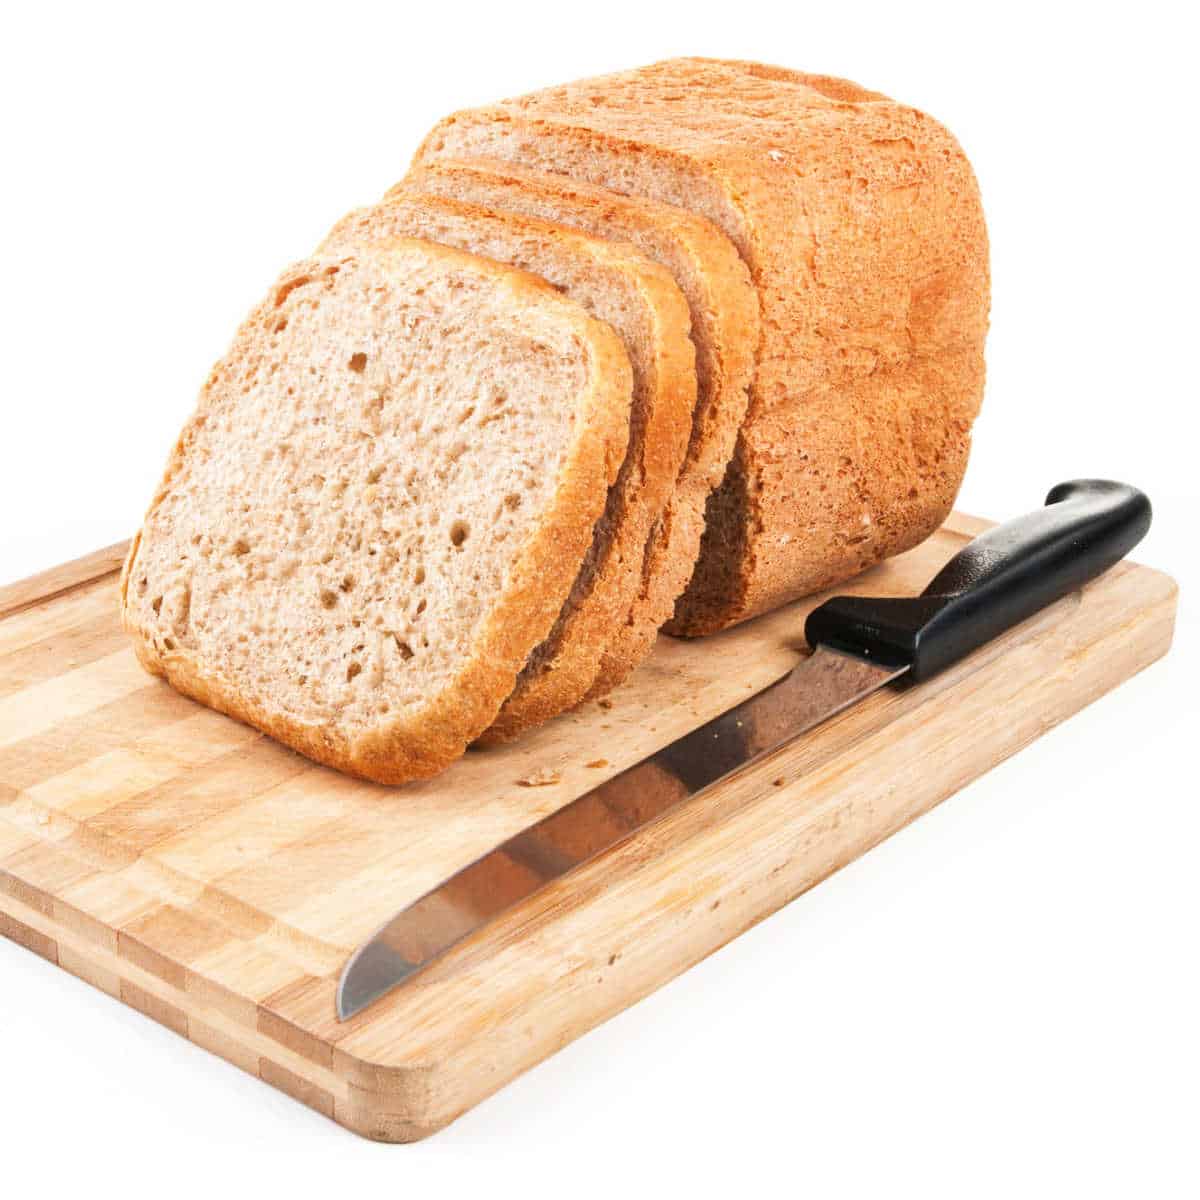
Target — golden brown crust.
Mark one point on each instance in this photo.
(666, 385)
(861, 224)
(426, 741)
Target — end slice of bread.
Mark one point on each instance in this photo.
(643, 304)
(380, 505)
(723, 305)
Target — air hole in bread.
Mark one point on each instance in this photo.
(512, 501)
(406, 651)
(459, 532)
(419, 576)
(422, 604)
(240, 547)
(358, 362)
(347, 585)
(355, 668)
(157, 605)
(288, 288)
(375, 474)
(328, 599)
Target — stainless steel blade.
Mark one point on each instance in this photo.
(820, 686)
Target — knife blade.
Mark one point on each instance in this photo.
(859, 646)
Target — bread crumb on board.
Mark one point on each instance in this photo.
(542, 777)
(598, 762)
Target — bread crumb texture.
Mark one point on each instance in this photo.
(640, 301)
(352, 508)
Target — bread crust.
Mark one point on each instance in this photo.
(428, 739)
(664, 371)
(860, 221)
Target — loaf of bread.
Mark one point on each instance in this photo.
(860, 222)
(662, 349)
(381, 504)
(641, 302)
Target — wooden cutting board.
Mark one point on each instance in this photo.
(217, 882)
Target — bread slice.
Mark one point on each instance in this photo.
(641, 301)
(860, 222)
(380, 504)
(724, 314)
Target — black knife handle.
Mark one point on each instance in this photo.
(999, 579)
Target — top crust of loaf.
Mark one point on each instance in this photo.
(724, 318)
(861, 223)
(645, 306)
(319, 314)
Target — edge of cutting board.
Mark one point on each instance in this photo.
(686, 887)
(58, 581)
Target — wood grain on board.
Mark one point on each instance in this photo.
(217, 882)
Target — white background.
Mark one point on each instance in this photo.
(1002, 999)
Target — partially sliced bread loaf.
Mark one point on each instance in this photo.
(724, 314)
(380, 504)
(860, 221)
(641, 301)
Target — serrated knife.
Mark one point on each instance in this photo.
(859, 645)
